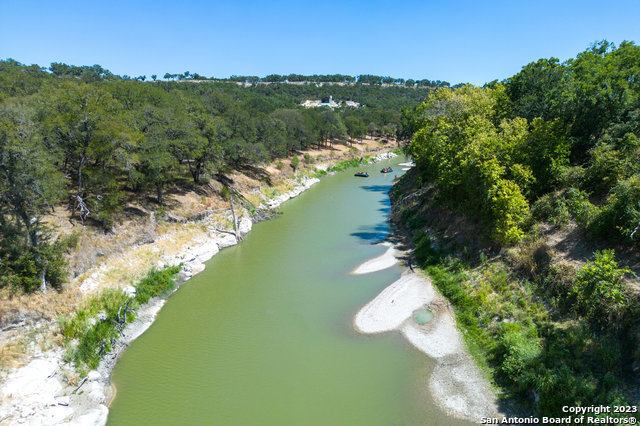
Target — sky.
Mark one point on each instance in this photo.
(457, 41)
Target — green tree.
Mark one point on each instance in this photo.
(356, 127)
(97, 138)
(295, 162)
(29, 186)
(600, 292)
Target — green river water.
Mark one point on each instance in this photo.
(264, 336)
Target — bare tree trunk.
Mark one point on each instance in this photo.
(235, 220)
(32, 226)
(35, 243)
(159, 188)
(80, 166)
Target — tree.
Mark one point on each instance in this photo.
(297, 131)
(356, 127)
(510, 209)
(295, 162)
(202, 148)
(163, 130)
(535, 90)
(330, 126)
(97, 138)
(600, 292)
(29, 186)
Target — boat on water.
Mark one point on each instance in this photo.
(362, 174)
(386, 170)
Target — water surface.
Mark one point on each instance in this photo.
(264, 335)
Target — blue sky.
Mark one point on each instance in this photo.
(457, 41)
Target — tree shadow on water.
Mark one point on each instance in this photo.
(377, 188)
(372, 233)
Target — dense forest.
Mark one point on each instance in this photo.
(556, 145)
(85, 137)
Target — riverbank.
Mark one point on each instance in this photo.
(456, 384)
(37, 395)
(516, 305)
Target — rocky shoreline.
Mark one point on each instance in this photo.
(40, 393)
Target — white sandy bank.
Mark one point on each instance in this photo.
(384, 261)
(457, 385)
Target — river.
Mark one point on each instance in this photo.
(264, 336)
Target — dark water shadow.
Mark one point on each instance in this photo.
(377, 188)
(372, 233)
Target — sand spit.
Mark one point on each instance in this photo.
(384, 261)
(456, 384)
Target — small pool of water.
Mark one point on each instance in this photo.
(422, 316)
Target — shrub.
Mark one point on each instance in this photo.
(572, 176)
(156, 283)
(558, 282)
(620, 216)
(600, 292)
(21, 269)
(318, 173)
(580, 207)
(225, 193)
(295, 162)
(551, 208)
(308, 159)
(346, 164)
(98, 323)
(606, 167)
(95, 327)
(424, 253)
(521, 349)
(509, 209)
(532, 257)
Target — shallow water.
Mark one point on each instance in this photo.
(264, 336)
(422, 316)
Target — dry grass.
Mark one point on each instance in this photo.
(13, 354)
(19, 343)
(33, 316)
(37, 306)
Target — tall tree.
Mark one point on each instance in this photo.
(29, 186)
(97, 138)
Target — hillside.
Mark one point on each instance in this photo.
(523, 209)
